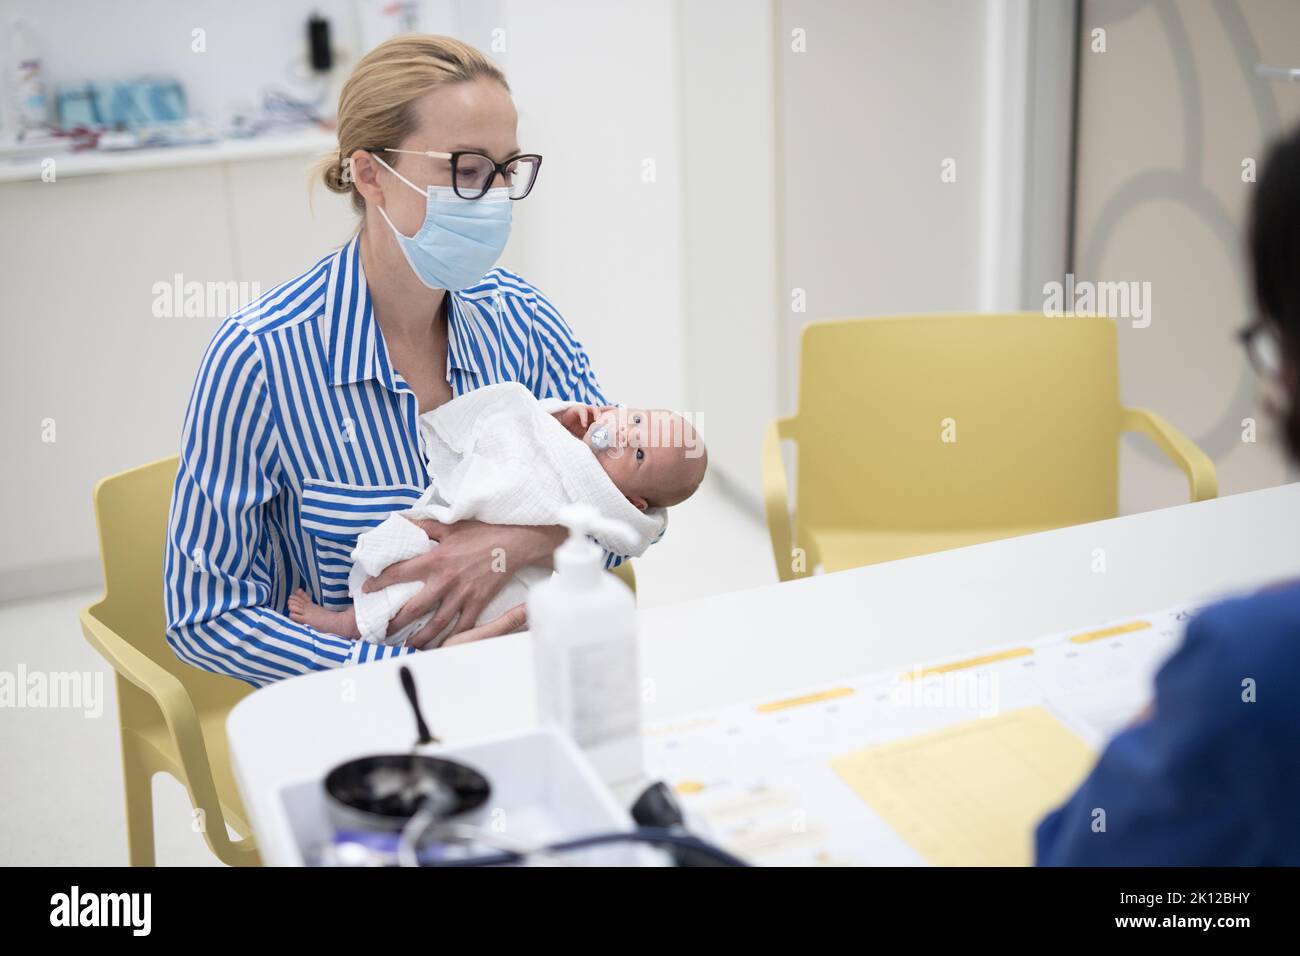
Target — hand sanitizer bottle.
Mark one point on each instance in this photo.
(583, 625)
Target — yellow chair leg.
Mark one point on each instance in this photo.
(137, 773)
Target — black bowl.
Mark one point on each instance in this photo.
(385, 791)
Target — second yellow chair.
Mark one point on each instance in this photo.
(921, 433)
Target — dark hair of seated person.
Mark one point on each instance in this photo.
(1274, 245)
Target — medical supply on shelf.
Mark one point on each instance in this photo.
(30, 104)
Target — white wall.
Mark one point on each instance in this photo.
(729, 229)
(79, 258)
(595, 84)
(884, 94)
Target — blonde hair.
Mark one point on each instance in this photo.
(376, 104)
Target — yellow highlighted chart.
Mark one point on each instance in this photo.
(1111, 632)
(971, 794)
(804, 700)
(970, 662)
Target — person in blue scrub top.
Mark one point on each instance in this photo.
(1210, 776)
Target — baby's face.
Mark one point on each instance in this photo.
(651, 455)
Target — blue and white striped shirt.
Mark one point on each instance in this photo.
(300, 435)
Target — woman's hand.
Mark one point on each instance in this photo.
(470, 566)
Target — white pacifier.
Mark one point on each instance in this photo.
(604, 440)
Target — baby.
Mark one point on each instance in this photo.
(653, 457)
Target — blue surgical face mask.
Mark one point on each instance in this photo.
(460, 240)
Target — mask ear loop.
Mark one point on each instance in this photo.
(422, 192)
(381, 209)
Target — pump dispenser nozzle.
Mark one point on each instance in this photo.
(577, 560)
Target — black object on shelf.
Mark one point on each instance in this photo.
(318, 42)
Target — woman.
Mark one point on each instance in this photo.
(301, 429)
(1211, 776)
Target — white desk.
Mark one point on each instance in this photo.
(768, 640)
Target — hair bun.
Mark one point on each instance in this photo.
(335, 172)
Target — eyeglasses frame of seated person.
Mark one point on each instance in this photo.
(499, 169)
(1263, 344)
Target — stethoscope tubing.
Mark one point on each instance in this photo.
(651, 836)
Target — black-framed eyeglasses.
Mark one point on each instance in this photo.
(472, 173)
(1263, 347)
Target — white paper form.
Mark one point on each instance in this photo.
(758, 777)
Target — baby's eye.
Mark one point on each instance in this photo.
(640, 454)
(636, 419)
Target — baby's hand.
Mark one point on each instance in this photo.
(576, 419)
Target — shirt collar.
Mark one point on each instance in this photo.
(354, 344)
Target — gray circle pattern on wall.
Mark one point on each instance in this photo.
(1186, 186)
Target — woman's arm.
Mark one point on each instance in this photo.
(472, 563)
(217, 582)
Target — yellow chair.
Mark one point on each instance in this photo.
(172, 715)
(626, 574)
(921, 433)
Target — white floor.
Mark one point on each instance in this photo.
(61, 792)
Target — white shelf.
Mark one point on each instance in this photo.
(307, 142)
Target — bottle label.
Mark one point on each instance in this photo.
(594, 692)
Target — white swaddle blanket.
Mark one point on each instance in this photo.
(496, 454)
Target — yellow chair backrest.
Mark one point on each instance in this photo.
(919, 433)
(953, 421)
(131, 509)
